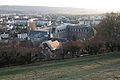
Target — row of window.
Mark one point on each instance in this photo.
(62, 30)
(79, 30)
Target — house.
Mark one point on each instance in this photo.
(22, 35)
(85, 22)
(42, 23)
(23, 22)
(34, 24)
(37, 35)
(52, 45)
(4, 35)
(17, 22)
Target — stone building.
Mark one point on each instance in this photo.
(79, 32)
(72, 32)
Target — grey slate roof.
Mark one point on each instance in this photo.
(37, 34)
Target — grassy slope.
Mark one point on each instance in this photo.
(100, 67)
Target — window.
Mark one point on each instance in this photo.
(80, 30)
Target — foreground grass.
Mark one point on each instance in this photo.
(99, 67)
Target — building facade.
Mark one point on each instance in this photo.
(73, 32)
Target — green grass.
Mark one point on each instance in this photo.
(97, 67)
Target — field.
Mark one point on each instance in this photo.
(97, 67)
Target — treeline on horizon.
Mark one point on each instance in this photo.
(107, 39)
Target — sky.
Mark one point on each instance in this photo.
(88, 4)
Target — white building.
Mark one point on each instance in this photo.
(89, 22)
(42, 22)
(4, 35)
(22, 36)
(0, 38)
(85, 22)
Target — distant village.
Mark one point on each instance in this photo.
(51, 30)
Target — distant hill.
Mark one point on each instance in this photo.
(48, 10)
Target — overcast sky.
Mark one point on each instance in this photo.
(90, 4)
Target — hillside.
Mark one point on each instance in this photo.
(48, 10)
(100, 67)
